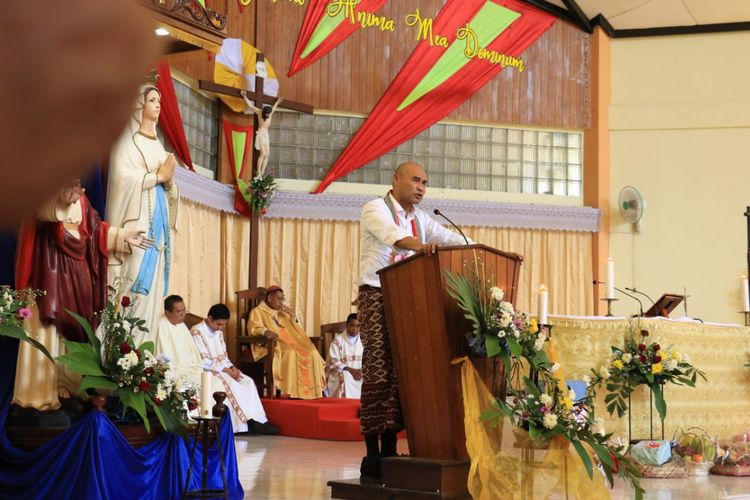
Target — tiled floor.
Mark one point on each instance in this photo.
(290, 468)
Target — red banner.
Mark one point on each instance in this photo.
(170, 120)
(239, 139)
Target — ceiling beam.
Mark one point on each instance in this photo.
(555, 10)
(682, 30)
(583, 20)
(600, 20)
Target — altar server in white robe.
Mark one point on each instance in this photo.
(141, 196)
(344, 364)
(246, 410)
(173, 340)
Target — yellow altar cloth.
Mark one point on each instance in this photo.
(720, 405)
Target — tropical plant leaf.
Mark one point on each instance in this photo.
(515, 348)
(18, 332)
(584, 456)
(493, 346)
(147, 346)
(92, 382)
(83, 363)
(661, 405)
(87, 328)
(136, 401)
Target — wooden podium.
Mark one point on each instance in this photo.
(427, 331)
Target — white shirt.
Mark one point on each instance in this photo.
(379, 233)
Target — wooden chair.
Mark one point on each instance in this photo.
(261, 371)
(328, 332)
(191, 320)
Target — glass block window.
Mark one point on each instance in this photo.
(469, 157)
(200, 117)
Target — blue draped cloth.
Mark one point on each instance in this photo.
(159, 232)
(93, 460)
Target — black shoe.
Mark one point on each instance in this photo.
(370, 468)
(266, 429)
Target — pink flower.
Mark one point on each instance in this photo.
(24, 313)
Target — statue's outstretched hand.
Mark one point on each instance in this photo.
(138, 239)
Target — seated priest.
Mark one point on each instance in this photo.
(298, 368)
(243, 401)
(173, 340)
(344, 364)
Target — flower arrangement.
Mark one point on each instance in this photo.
(551, 413)
(260, 191)
(642, 362)
(498, 329)
(140, 379)
(15, 309)
(536, 403)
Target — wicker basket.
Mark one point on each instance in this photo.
(731, 470)
(672, 469)
(701, 469)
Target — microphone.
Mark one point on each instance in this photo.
(438, 212)
(640, 304)
(638, 291)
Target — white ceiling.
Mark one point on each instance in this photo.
(640, 14)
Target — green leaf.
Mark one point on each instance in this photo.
(584, 456)
(147, 346)
(514, 346)
(18, 332)
(493, 346)
(83, 363)
(91, 382)
(75, 347)
(136, 401)
(661, 405)
(602, 453)
(87, 328)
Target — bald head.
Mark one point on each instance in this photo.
(409, 184)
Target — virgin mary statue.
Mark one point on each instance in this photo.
(142, 196)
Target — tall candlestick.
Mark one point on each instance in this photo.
(543, 305)
(610, 278)
(205, 394)
(745, 294)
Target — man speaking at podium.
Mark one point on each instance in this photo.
(391, 228)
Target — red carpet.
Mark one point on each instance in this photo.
(334, 419)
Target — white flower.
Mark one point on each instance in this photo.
(545, 399)
(627, 358)
(686, 358)
(497, 293)
(124, 363)
(604, 371)
(516, 333)
(587, 379)
(539, 343)
(598, 427)
(550, 420)
(670, 365)
(505, 320)
(507, 308)
(501, 333)
(554, 367)
(161, 393)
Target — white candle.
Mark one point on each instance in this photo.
(542, 305)
(206, 394)
(745, 294)
(610, 278)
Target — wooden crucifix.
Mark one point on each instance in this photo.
(260, 99)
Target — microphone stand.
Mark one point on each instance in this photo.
(640, 304)
(641, 293)
(439, 213)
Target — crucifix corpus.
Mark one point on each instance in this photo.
(260, 99)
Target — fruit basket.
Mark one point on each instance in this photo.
(696, 449)
(733, 458)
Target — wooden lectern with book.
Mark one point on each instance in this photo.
(428, 331)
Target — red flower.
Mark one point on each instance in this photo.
(644, 333)
(657, 347)
(264, 210)
(157, 401)
(641, 347)
(192, 404)
(148, 371)
(657, 359)
(643, 358)
(125, 301)
(144, 386)
(125, 348)
(138, 353)
(615, 463)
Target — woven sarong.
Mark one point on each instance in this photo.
(380, 407)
